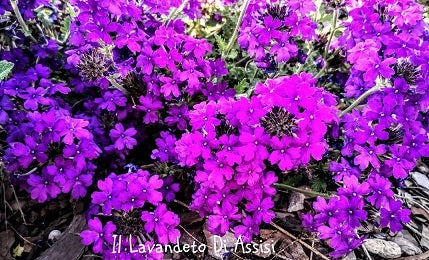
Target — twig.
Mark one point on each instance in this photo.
(334, 28)
(361, 98)
(23, 238)
(21, 21)
(306, 192)
(300, 241)
(117, 85)
(181, 203)
(237, 27)
(19, 205)
(175, 12)
(5, 207)
(416, 231)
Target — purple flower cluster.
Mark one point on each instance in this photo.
(269, 30)
(386, 137)
(50, 151)
(232, 141)
(338, 219)
(131, 205)
(160, 71)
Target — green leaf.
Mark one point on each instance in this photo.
(5, 68)
(241, 86)
(319, 185)
(233, 54)
(65, 25)
(220, 42)
(293, 180)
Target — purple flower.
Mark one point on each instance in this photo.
(400, 162)
(178, 115)
(261, 209)
(111, 99)
(283, 154)
(394, 215)
(97, 234)
(380, 190)
(150, 106)
(43, 187)
(123, 138)
(220, 222)
(158, 221)
(269, 30)
(353, 188)
(337, 232)
(165, 147)
(369, 155)
(248, 228)
(73, 128)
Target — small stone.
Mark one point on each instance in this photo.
(54, 235)
(383, 248)
(296, 201)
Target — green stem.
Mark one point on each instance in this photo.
(237, 27)
(334, 28)
(320, 73)
(173, 14)
(117, 85)
(21, 21)
(360, 99)
(306, 192)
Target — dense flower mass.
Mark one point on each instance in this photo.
(133, 206)
(154, 88)
(232, 141)
(270, 31)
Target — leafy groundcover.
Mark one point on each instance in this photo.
(194, 129)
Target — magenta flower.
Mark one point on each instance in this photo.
(220, 222)
(394, 215)
(158, 221)
(97, 234)
(73, 128)
(123, 138)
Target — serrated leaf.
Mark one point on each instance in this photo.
(232, 54)
(293, 180)
(5, 68)
(220, 42)
(65, 25)
(241, 86)
(319, 185)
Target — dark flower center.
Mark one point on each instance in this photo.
(279, 122)
(93, 65)
(408, 71)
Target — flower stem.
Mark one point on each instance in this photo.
(360, 99)
(334, 28)
(237, 27)
(117, 85)
(306, 192)
(21, 21)
(173, 14)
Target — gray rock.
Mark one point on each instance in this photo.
(407, 243)
(383, 248)
(296, 201)
(421, 179)
(350, 256)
